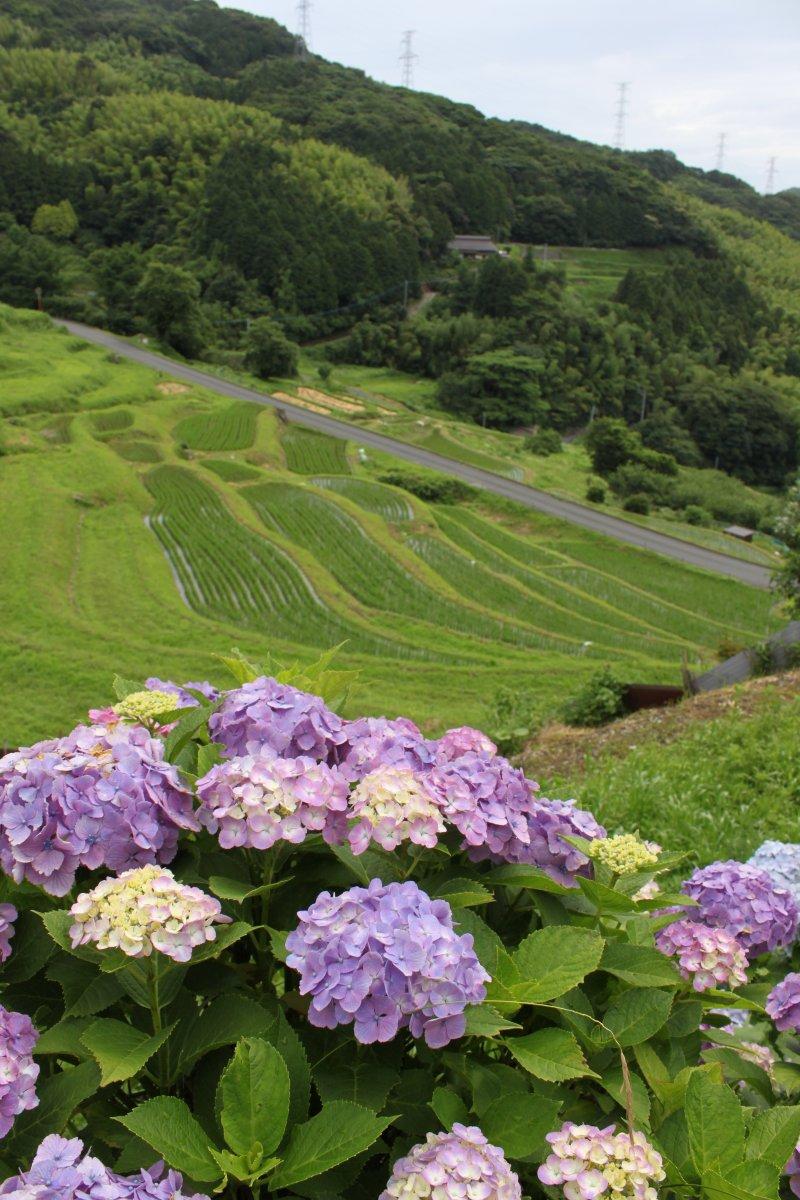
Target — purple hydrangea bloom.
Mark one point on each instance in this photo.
(61, 1171)
(385, 957)
(183, 697)
(102, 796)
(268, 713)
(374, 742)
(8, 915)
(792, 1169)
(393, 805)
(261, 798)
(18, 1071)
(783, 1003)
(549, 822)
(464, 740)
(709, 956)
(746, 902)
(781, 861)
(459, 1165)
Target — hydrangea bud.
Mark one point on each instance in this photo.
(145, 910)
(268, 713)
(61, 1171)
(459, 1165)
(781, 861)
(145, 707)
(463, 740)
(745, 901)
(8, 915)
(783, 1003)
(101, 797)
(393, 805)
(259, 799)
(710, 957)
(18, 1071)
(587, 1162)
(385, 957)
(624, 854)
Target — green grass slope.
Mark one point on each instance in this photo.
(155, 563)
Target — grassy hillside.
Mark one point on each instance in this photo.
(121, 543)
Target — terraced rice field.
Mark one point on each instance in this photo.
(386, 502)
(230, 427)
(310, 453)
(231, 470)
(112, 419)
(440, 443)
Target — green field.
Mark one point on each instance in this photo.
(127, 548)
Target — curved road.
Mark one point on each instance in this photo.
(553, 506)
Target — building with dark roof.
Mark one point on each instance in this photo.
(472, 245)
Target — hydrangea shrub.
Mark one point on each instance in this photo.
(250, 945)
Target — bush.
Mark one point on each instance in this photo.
(300, 1040)
(599, 701)
(544, 442)
(637, 503)
(635, 479)
(596, 493)
(439, 489)
(269, 353)
(695, 515)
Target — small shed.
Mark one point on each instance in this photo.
(741, 532)
(472, 245)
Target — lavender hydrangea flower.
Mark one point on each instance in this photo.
(377, 742)
(8, 915)
(385, 957)
(709, 956)
(781, 861)
(393, 805)
(746, 902)
(102, 796)
(268, 713)
(260, 799)
(183, 691)
(792, 1169)
(18, 1071)
(61, 1171)
(459, 1165)
(783, 1003)
(463, 740)
(587, 1162)
(145, 910)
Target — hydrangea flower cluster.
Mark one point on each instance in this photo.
(761, 1056)
(102, 796)
(781, 861)
(464, 740)
(459, 1165)
(145, 706)
(385, 957)
(792, 1169)
(8, 915)
(393, 805)
(61, 1171)
(260, 799)
(745, 901)
(783, 1003)
(374, 742)
(145, 910)
(18, 1071)
(181, 693)
(268, 713)
(587, 1162)
(625, 854)
(710, 957)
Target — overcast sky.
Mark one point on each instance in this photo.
(696, 68)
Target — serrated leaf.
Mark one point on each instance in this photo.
(126, 687)
(85, 991)
(208, 755)
(190, 723)
(530, 878)
(518, 1124)
(715, 1125)
(462, 893)
(487, 942)
(642, 966)
(719, 998)
(553, 960)
(612, 1082)
(226, 936)
(638, 1014)
(64, 1038)
(366, 1083)
(485, 1021)
(119, 1049)
(221, 1024)
(167, 1125)
(746, 1181)
(337, 1133)
(372, 864)
(550, 1054)
(254, 1092)
(236, 889)
(448, 1107)
(774, 1134)
(606, 899)
(36, 946)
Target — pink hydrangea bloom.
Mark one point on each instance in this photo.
(708, 956)
(459, 1165)
(586, 1162)
(393, 805)
(463, 740)
(18, 1071)
(8, 915)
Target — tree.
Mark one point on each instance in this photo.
(269, 352)
(168, 298)
(500, 287)
(786, 577)
(55, 220)
(610, 444)
(499, 388)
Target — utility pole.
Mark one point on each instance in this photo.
(408, 57)
(772, 171)
(723, 137)
(622, 112)
(303, 27)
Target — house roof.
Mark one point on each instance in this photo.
(473, 243)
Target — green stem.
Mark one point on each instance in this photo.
(152, 988)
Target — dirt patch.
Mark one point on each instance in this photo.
(318, 397)
(317, 408)
(172, 389)
(561, 751)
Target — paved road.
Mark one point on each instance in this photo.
(567, 510)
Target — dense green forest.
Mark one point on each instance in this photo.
(169, 166)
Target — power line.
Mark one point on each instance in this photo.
(622, 112)
(723, 137)
(772, 171)
(303, 27)
(408, 57)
